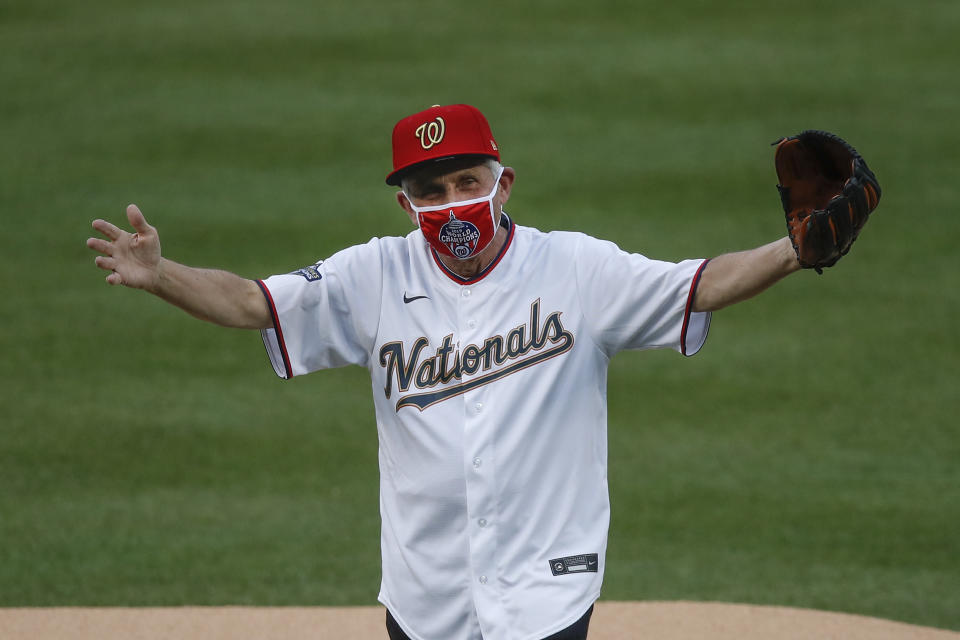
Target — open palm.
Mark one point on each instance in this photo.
(133, 259)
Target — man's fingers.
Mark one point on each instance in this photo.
(137, 220)
(113, 232)
(114, 278)
(102, 246)
(108, 229)
(106, 263)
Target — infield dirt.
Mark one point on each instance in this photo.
(611, 620)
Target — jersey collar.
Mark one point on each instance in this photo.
(504, 222)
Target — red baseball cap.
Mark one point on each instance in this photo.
(438, 133)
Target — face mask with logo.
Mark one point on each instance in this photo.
(462, 229)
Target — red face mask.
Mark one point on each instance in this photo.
(462, 229)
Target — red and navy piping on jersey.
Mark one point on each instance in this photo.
(276, 326)
(504, 222)
(689, 308)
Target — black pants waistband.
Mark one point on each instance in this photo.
(576, 631)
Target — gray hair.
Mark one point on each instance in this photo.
(494, 165)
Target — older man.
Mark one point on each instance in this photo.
(487, 344)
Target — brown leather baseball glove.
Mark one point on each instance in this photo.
(827, 191)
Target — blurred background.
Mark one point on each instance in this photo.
(808, 456)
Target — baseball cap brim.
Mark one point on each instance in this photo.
(396, 178)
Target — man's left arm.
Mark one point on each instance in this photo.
(734, 277)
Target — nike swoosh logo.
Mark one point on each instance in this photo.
(407, 300)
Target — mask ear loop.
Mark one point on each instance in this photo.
(493, 215)
(415, 210)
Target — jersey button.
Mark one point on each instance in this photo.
(477, 462)
(483, 579)
(472, 324)
(482, 523)
(465, 293)
(478, 407)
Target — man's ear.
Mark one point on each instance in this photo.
(506, 184)
(405, 205)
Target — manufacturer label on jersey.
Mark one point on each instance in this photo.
(497, 357)
(586, 563)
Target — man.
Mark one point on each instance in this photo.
(487, 343)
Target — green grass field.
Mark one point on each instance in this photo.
(808, 456)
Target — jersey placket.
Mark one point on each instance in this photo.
(479, 466)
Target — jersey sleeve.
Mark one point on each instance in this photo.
(325, 315)
(634, 302)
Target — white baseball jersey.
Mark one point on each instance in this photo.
(491, 409)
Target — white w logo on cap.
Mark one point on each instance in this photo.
(431, 133)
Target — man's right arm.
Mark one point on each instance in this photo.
(134, 260)
(216, 296)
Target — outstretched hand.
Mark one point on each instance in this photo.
(133, 259)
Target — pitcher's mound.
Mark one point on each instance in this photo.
(611, 621)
